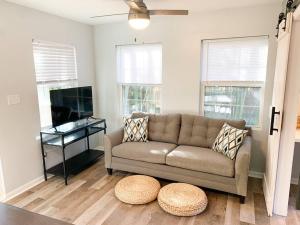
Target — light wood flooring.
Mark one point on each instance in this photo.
(89, 199)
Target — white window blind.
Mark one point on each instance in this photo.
(236, 59)
(55, 68)
(139, 64)
(54, 62)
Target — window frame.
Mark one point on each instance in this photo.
(120, 85)
(120, 88)
(259, 84)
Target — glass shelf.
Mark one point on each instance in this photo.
(71, 127)
(73, 137)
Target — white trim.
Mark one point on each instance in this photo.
(23, 188)
(39, 41)
(255, 174)
(100, 148)
(294, 180)
(260, 175)
(234, 83)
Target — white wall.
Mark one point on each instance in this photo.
(181, 38)
(19, 124)
(2, 187)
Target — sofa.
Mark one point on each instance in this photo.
(179, 149)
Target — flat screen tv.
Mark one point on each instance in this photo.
(68, 105)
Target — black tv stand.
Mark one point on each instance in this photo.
(66, 134)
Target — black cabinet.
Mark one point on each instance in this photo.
(66, 134)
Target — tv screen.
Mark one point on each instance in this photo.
(71, 104)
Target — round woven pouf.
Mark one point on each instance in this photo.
(181, 199)
(137, 189)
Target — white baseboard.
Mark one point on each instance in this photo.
(100, 148)
(255, 174)
(294, 181)
(23, 188)
(260, 175)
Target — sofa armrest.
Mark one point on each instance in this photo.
(111, 140)
(242, 166)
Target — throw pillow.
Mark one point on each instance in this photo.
(136, 130)
(229, 141)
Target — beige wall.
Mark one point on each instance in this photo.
(181, 39)
(19, 124)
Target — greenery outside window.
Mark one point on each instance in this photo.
(139, 69)
(138, 98)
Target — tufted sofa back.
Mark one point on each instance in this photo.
(163, 128)
(186, 129)
(202, 131)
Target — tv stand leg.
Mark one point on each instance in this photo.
(64, 164)
(88, 142)
(109, 171)
(44, 155)
(242, 200)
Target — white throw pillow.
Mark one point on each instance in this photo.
(136, 130)
(229, 141)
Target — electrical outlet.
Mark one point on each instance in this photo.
(13, 99)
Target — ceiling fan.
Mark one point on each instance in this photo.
(139, 15)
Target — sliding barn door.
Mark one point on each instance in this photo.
(276, 112)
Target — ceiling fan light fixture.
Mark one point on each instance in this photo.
(139, 24)
(139, 21)
(139, 15)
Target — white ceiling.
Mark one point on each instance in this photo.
(82, 10)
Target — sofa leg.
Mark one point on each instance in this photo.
(109, 171)
(242, 199)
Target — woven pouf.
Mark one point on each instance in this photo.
(182, 199)
(137, 189)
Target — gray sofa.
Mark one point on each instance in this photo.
(179, 150)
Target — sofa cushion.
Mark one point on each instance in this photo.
(153, 152)
(202, 131)
(163, 128)
(201, 159)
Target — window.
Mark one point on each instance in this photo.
(55, 68)
(233, 78)
(139, 74)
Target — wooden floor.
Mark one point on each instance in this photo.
(89, 199)
(10, 215)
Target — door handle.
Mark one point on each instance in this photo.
(273, 114)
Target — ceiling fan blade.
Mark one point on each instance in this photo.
(168, 12)
(137, 5)
(117, 14)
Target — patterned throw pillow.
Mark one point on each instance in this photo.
(136, 130)
(229, 140)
